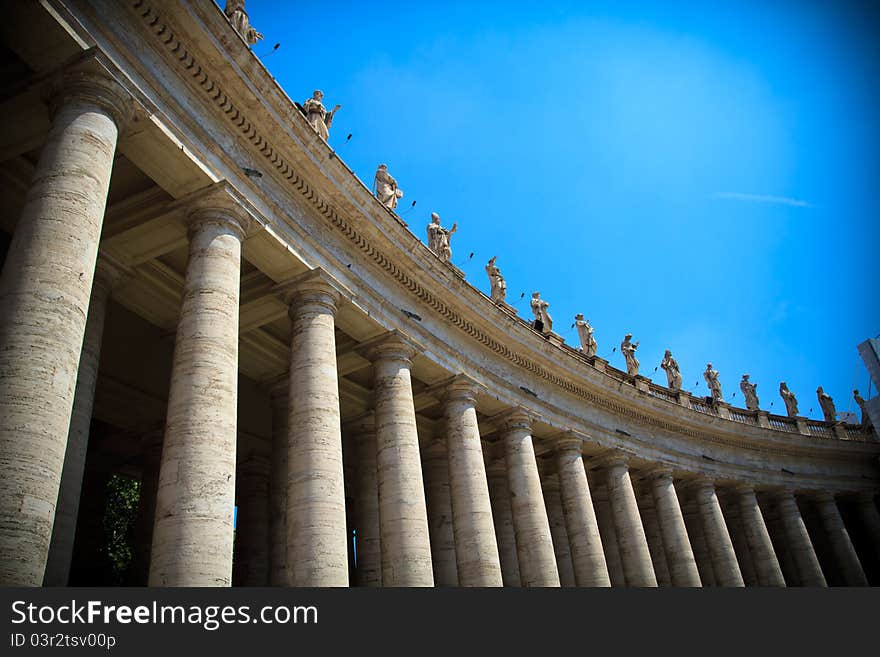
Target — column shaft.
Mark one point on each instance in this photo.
(870, 520)
(44, 300)
(841, 545)
(654, 536)
(758, 538)
(151, 462)
(503, 520)
(556, 517)
(679, 554)
(798, 539)
(369, 545)
(582, 528)
(251, 555)
(631, 539)
(439, 505)
(717, 536)
(278, 469)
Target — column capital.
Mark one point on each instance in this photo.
(393, 345)
(659, 472)
(699, 483)
(218, 204)
(110, 273)
(515, 418)
(743, 488)
(611, 458)
(459, 387)
(865, 496)
(315, 286)
(90, 80)
(823, 495)
(567, 443)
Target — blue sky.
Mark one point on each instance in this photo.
(702, 175)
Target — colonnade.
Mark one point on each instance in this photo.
(449, 514)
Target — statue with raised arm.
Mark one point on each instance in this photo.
(866, 420)
(827, 405)
(439, 238)
(791, 405)
(543, 321)
(749, 391)
(673, 373)
(496, 280)
(628, 349)
(317, 115)
(238, 17)
(385, 188)
(714, 384)
(585, 333)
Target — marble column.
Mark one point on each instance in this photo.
(317, 538)
(439, 505)
(279, 397)
(107, 274)
(403, 516)
(733, 518)
(679, 554)
(502, 516)
(556, 517)
(369, 545)
(605, 519)
(841, 545)
(44, 301)
(758, 538)
(870, 519)
(631, 540)
(798, 540)
(534, 542)
(585, 541)
(691, 512)
(251, 556)
(192, 535)
(654, 536)
(151, 462)
(724, 563)
(476, 548)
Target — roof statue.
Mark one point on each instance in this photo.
(317, 115)
(439, 238)
(385, 188)
(238, 17)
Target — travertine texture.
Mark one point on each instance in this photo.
(654, 536)
(556, 518)
(798, 540)
(192, 536)
(841, 544)
(727, 572)
(369, 546)
(439, 505)
(251, 563)
(631, 540)
(758, 538)
(690, 510)
(279, 397)
(605, 519)
(503, 520)
(534, 542)
(476, 547)
(317, 549)
(44, 299)
(403, 516)
(61, 546)
(585, 542)
(679, 554)
(151, 459)
(733, 518)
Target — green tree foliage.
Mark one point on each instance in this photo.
(123, 495)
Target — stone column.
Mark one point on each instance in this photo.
(870, 518)
(605, 519)
(654, 536)
(439, 505)
(502, 516)
(556, 517)
(476, 548)
(534, 542)
(44, 300)
(251, 557)
(798, 540)
(192, 536)
(107, 274)
(585, 542)
(724, 563)
(403, 516)
(631, 540)
(317, 538)
(691, 512)
(736, 529)
(758, 538)
(278, 468)
(151, 461)
(679, 554)
(841, 545)
(369, 546)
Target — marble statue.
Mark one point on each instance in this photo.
(714, 384)
(628, 349)
(496, 280)
(866, 421)
(827, 405)
(319, 118)
(238, 17)
(791, 405)
(543, 321)
(585, 333)
(749, 390)
(673, 373)
(439, 238)
(385, 188)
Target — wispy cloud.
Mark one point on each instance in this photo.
(763, 198)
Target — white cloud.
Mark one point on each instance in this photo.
(763, 198)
